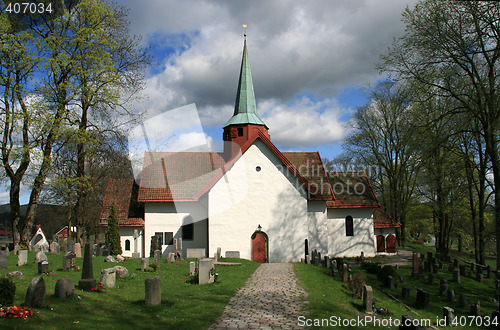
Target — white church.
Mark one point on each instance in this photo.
(250, 198)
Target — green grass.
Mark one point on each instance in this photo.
(184, 305)
(329, 296)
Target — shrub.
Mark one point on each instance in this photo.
(387, 270)
(356, 284)
(371, 267)
(153, 265)
(7, 291)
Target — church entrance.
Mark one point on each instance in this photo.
(380, 243)
(259, 247)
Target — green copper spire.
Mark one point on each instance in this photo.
(245, 111)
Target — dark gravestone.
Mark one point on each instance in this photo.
(401, 279)
(431, 278)
(327, 262)
(368, 298)
(488, 271)
(451, 295)
(35, 295)
(475, 309)
(455, 262)
(415, 264)
(443, 287)
(43, 266)
(65, 288)
(3, 260)
(422, 298)
(306, 248)
(153, 291)
(427, 266)
(389, 282)
(88, 282)
(462, 270)
(456, 276)
(479, 275)
(70, 247)
(462, 301)
(69, 261)
(334, 268)
(472, 267)
(318, 260)
(405, 292)
(435, 267)
(408, 322)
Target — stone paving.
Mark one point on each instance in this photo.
(271, 299)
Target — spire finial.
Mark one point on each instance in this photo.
(245, 34)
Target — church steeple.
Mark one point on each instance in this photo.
(245, 124)
(245, 110)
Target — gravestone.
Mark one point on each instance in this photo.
(475, 309)
(410, 320)
(415, 264)
(22, 257)
(389, 282)
(135, 254)
(443, 287)
(108, 277)
(456, 276)
(327, 262)
(427, 266)
(435, 267)
(431, 278)
(35, 295)
(192, 268)
(345, 272)
(306, 249)
(40, 256)
(472, 267)
(98, 250)
(362, 257)
(171, 257)
(368, 298)
(109, 258)
(448, 315)
(55, 248)
(69, 261)
(88, 282)
(179, 248)
(3, 260)
(219, 253)
(121, 272)
(462, 301)
(175, 246)
(43, 266)
(233, 254)
(15, 274)
(158, 257)
(455, 262)
(451, 295)
(196, 253)
(153, 291)
(78, 250)
(144, 263)
(488, 271)
(401, 279)
(421, 276)
(317, 259)
(70, 246)
(95, 247)
(308, 260)
(405, 292)
(334, 268)
(206, 271)
(65, 288)
(462, 270)
(422, 298)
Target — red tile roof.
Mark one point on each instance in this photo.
(122, 194)
(383, 220)
(351, 190)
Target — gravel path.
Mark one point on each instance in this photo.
(271, 299)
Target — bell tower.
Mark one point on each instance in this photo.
(245, 124)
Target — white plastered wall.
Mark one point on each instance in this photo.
(127, 233)
(169, 217)
(318, 227)
(340, 245)
(244, 198)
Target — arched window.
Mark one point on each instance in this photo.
(349, 226)
(127, 245)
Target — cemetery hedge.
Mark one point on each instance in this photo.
(184, 305)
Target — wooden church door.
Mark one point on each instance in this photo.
(259, 247)
(380, 243)
(391, 243)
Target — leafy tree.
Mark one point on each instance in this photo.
(113, 232)
(451, 48)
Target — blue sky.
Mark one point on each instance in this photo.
(309, 61)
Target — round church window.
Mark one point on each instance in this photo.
(258, 168)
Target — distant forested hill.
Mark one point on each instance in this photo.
(51, 217)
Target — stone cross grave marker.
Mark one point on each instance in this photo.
(135, 254)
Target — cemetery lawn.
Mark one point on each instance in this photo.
(329, 296)
(184, 305)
